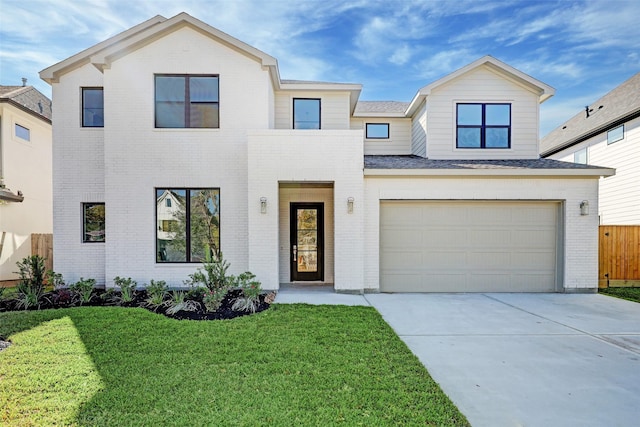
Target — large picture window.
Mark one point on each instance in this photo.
(92, 107)
(306, 113)
(93, 224)
(187, 227)
(483, 126)
(187, 101)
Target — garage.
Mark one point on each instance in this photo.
(469, 246)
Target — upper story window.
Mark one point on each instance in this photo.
(615, 134)
(187, 101)
(23, 133)
(580, 156)
(92, 107)
(306, 113)
(483, 126)
(377, 131)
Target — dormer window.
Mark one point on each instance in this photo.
(483, 126)
(306, 113)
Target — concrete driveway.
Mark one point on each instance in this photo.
(526, 359)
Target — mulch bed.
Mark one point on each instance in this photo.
(58, 299)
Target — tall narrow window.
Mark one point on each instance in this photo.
(306, 113)
(377, 131)
(23, 133)
(188, 227)
(93, 222)
(92, 107)
(187, 101)
(483, 126)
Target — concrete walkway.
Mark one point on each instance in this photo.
(519, 359)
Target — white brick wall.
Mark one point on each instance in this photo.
(580, 246)
(306, 156)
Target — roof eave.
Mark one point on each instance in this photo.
(546, 173)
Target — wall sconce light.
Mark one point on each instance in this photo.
(263, 205)
(584, 207)
(350, 205)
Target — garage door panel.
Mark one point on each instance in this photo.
(469, 246)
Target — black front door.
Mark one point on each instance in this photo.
(307, 241)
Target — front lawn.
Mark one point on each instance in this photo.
(289, 365)
(631, 294)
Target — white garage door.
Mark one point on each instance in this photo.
(468, 246)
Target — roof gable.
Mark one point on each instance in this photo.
(616, 107)
(28, 99)
(102, 54)
(543, 90)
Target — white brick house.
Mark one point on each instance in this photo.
(301, 182)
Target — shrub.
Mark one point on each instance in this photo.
(31, 271)
(178, 302)
(127, 289)
(156, 291)
(251, 289)
(55, 279)
(83, 290)
(213, 275)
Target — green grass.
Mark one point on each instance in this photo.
(289, 365)
(631, 294)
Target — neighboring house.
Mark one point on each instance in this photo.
(300, 181)
(25, 173)
(606, 133)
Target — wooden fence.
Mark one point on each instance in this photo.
(42, 244)
(619, 252)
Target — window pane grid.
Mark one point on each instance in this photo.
(483, 126)
(188, 226)
(185, 101)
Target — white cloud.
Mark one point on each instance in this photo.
(443, 63)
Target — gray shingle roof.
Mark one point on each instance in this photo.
(364, 107)
(620, 103)
(417, 162)
(29, 98)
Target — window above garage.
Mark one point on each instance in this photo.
(483, 125)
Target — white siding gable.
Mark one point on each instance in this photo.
(334, 108)
(399, 141)
(482, 85)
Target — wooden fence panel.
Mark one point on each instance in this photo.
(42, 244)
(619, 256)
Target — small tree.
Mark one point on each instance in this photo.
(213, 275)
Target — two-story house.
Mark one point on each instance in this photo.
(607, 132)
(25, 174)
(300, 182)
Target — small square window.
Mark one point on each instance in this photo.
(615, 134)
(93, 224)
(23, 133)
(92, 107)
(580, 156)
(377, 131)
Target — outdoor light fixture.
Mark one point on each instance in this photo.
(584, 207)
(263, 205)
(350, 205)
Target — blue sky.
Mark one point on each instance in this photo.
(393, 47)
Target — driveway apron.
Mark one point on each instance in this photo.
(526, 359)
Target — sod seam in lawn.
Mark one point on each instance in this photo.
(290, 365)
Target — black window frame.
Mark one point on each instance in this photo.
(84, 109)
(187, 101)
(612, 141)
(86, 205)
(187, 191)
(366, 127)
(319, 112)
(24, 128)
(483, 126)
